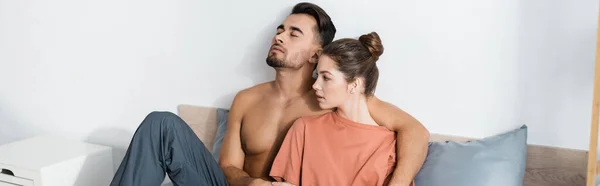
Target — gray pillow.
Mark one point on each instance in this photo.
(495, 161)
(222, 115)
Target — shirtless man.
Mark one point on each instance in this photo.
(259, 119)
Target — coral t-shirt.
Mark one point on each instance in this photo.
(331, 150)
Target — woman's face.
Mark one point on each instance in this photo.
(331, 86)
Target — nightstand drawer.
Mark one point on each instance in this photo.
(7, 184)
(55, 161)
(8, 180)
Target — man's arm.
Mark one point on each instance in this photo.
(412, 139)
(232, 156)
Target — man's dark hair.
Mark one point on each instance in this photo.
(325, 26)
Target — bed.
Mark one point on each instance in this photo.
(546, 166)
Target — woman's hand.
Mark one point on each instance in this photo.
(282, 184)
(260, 182)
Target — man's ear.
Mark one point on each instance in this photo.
(315, 57)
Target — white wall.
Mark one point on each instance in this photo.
(557, 41)
(92, 70)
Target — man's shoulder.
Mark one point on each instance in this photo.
(251, 93)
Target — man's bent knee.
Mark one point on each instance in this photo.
(159, 115)
(166, 121)
(163, 118)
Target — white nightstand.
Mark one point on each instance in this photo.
(53, 161)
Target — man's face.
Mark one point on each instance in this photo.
(295, 42)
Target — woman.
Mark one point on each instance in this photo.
(346, 146)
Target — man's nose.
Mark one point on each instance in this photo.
(279, 38)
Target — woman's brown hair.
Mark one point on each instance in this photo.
(356, 58)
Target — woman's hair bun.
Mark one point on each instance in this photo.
(373, 43)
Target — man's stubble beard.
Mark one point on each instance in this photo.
(272, 61)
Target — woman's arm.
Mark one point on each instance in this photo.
(287, 164)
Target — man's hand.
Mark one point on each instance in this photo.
(282, 184)
(412, 183)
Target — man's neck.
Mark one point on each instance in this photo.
(292, 83)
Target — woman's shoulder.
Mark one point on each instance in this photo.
(312, 119)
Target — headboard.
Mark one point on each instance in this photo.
(546, 166)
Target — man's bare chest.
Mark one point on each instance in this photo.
(265, 125)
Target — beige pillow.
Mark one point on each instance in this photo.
(203, 120)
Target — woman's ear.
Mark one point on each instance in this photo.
(353, 86)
